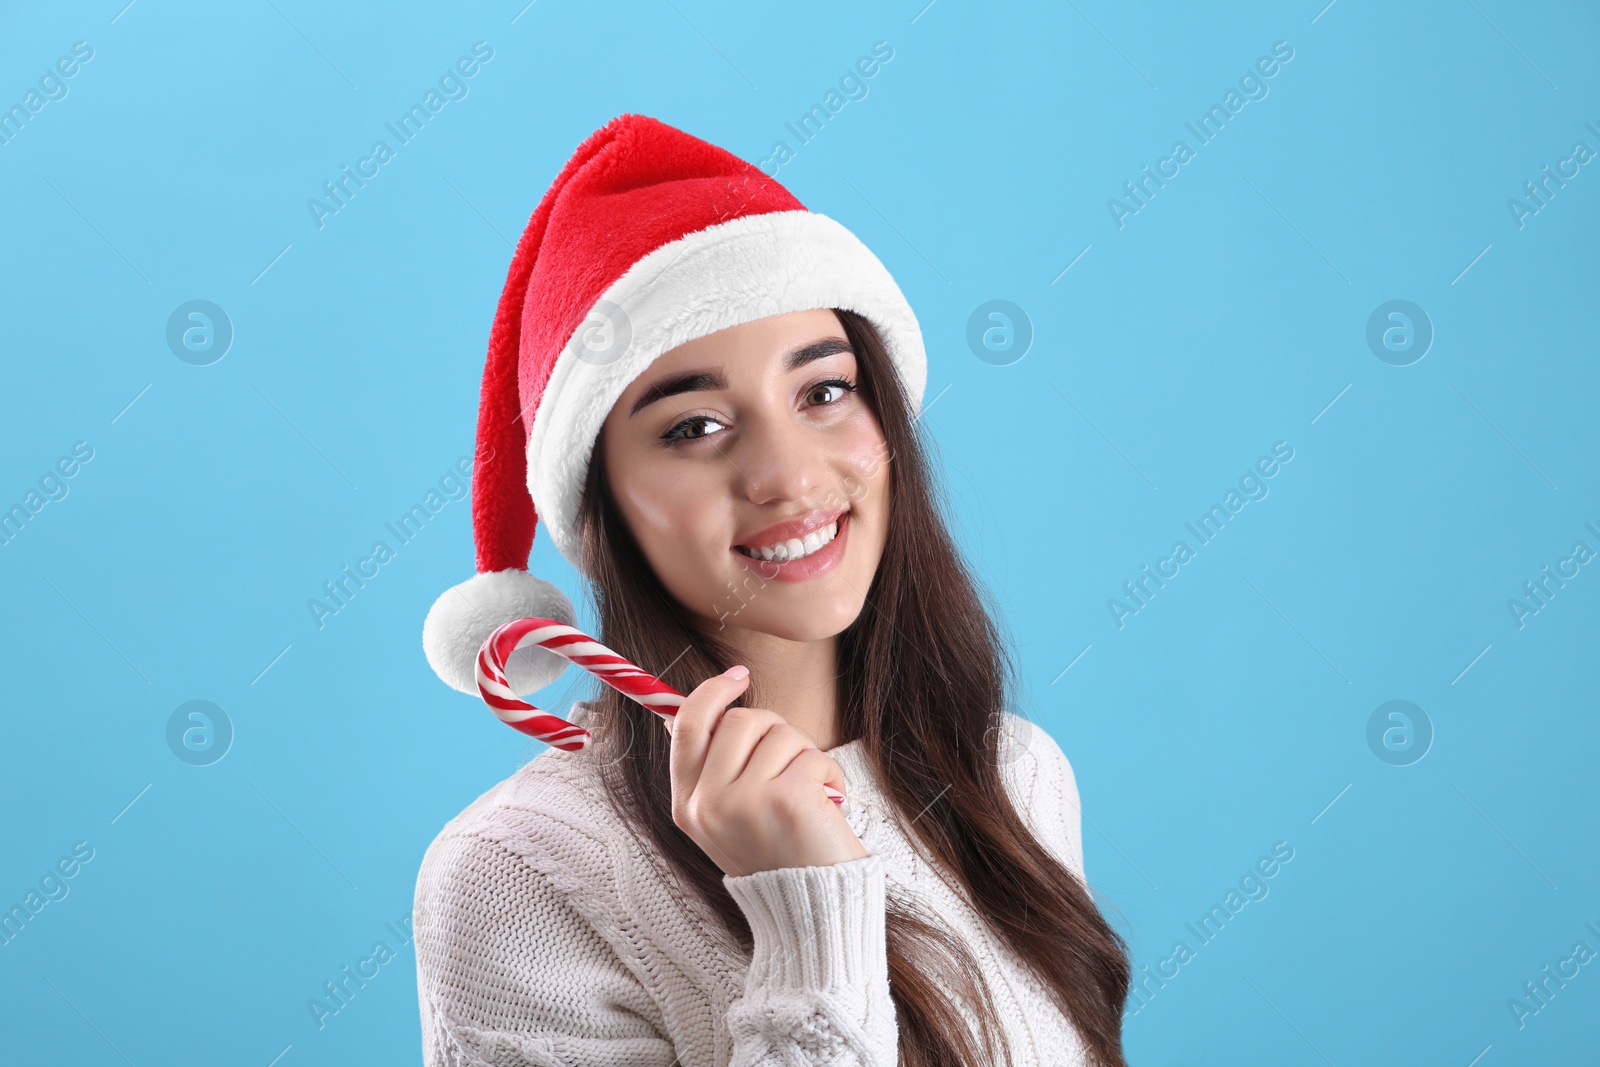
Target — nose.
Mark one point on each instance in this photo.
(779, 458)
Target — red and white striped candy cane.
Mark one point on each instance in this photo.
(626, 678)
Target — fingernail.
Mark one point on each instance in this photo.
(740, 671)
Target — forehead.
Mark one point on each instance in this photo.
(761, 340)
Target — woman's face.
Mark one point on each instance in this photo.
(751, 439)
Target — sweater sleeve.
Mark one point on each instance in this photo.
(817, 991)
(508, 971)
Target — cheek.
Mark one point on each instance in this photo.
(866, 462)
(667, 514)
(653, 512)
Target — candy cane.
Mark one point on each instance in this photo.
(632, 682)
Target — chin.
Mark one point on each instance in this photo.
(802, 621)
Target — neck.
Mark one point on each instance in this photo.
(796, 679)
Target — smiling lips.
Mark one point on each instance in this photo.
(796, 529)
(800, 548)
(795, 547)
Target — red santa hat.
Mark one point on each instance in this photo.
(647, 239)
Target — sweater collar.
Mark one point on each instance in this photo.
(852, 759)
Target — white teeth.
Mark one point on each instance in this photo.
(795, 547)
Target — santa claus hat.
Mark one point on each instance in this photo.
(647, 239)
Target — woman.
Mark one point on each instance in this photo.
(708, 395)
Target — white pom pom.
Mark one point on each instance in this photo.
(463, 618)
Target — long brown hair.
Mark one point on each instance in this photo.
(923, 678)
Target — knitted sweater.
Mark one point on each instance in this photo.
(546, 936)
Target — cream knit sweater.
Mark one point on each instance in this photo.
(546, 936)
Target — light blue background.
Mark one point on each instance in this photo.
(1225, 316)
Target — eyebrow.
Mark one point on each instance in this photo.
(695, 381)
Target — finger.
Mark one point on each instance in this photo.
(692, 726)
(698, 713)
(816, 766)
(773, 753)
(737, 733)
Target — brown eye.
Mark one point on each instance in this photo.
(680, 432)
(843, 384)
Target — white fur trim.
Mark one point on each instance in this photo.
(725, 275)
(466, 614)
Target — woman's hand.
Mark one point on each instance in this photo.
(748, 787)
